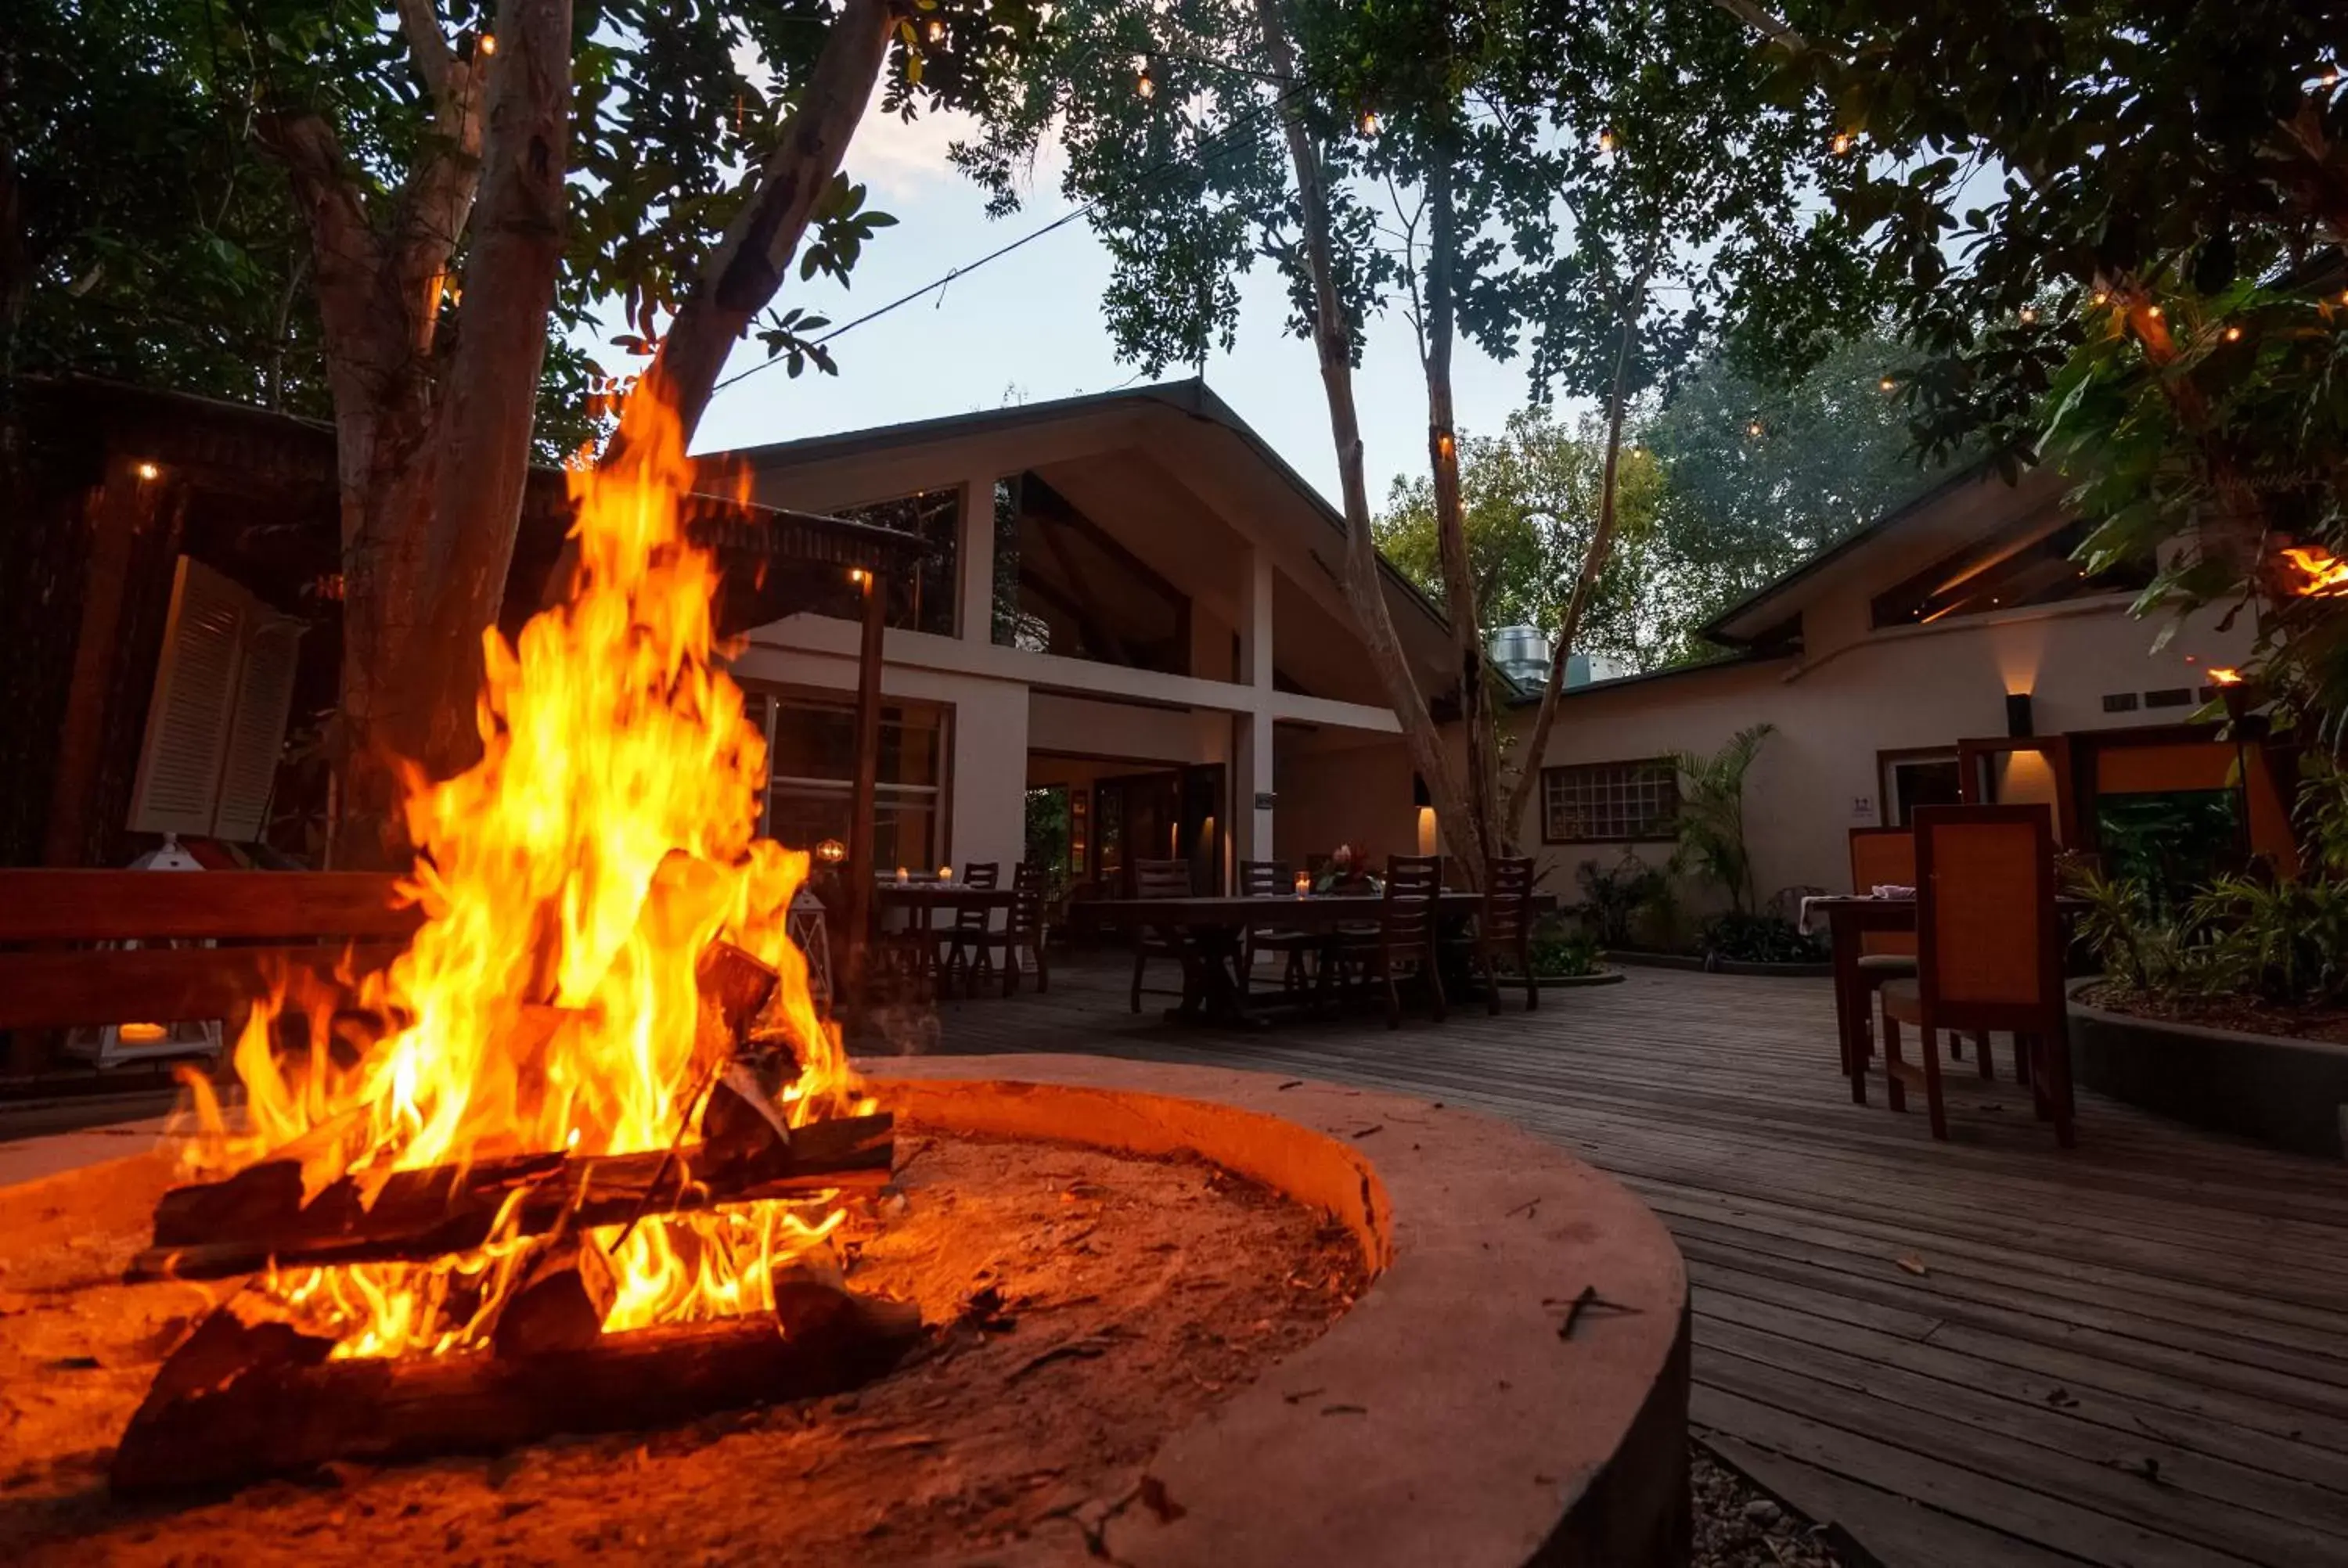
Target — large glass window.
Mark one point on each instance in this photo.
(811, 770)
(1064, 584)
(921, 600)
(1610, 803)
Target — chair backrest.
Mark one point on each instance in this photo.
(1508, 897)
(1264, 879)
(1161, 879)
(1988, 951)
(1414, 882)
(1026, 915)
(986, 876)
(1881, 856)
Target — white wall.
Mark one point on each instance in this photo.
(1930, 686)
(986, 776)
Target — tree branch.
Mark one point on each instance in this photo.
(426, 48)
(1752, 16)
(1593, 559)
(747, 268)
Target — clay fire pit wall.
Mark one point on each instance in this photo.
(1447, 1419)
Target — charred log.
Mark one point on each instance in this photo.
(559, 1302)
(281, 1419)
(206, 1233)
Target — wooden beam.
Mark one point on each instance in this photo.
(45, 906)
(864, 788)
(162, 985)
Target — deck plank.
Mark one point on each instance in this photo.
(2156, 1295)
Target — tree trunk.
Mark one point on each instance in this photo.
(1483, 834)
(1593, 563)
(1364, 592)
(477, 463)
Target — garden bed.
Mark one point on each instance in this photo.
(2180, 1060)
(1710, 965)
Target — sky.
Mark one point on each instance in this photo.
(1028, 328)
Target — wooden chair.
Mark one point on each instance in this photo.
(1157, 879)
(1022, 929)
(1272, 879)
(1989, 954)
(1404, 939)
(962, 944)
(1886, 856)
(1504, 926)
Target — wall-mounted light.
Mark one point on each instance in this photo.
(858, 575)
(2018, 723)
(832, 852)
(148, 471)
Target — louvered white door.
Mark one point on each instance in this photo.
(256, 733)
(217, 719)
(177, 788)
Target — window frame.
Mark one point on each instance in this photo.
(773, 695)
(1662, 829)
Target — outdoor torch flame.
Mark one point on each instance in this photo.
(2326, 574)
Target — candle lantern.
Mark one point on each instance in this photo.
(1304, 884)
(832, 852)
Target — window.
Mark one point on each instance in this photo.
(1916, 779)
(1610, 803)
(2027, 564)
(1066, 586)
(811, 771)
(921, 600)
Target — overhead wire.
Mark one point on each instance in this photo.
(1207, 148)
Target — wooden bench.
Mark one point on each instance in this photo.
(269, 924)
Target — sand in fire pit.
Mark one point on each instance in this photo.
(1134, 1293)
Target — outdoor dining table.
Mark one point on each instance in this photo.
(920, 901)
(1215, 926)
(1849, 917)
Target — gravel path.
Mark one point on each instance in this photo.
(1737, 1526)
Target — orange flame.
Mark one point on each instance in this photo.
(605, 838)
(2326, 574)
(2225, 676)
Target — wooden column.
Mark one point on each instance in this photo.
(861, 867)
(125, 502)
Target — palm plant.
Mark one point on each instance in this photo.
(1711, 826)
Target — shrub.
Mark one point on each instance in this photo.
(1760, 939)
(1612, 900)
(1562, 954)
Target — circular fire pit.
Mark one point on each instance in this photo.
(1152, 1373)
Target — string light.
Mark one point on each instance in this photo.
(1842, 143)
(1888, 384)
(1369, 122)
(2152, 311)
(934, 30)
(1606, 140)
(489, 44)
(2233, 335)
(2103, 296)
(2029, 315)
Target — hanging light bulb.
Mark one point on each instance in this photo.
(1144, 85)
(1606, 140)
(2233, 335)
(1885, 384)
(2029, 315)
(1369, 122)
(1842, 143)
(934, 30)
(487, 45)
(2103, 296)
(2152, 311)
(1753, 428)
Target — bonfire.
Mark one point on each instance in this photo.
(594, 1095)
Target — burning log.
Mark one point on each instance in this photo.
(280, 1417)
(739, 984)
(206, 1233)
(814, 1306)
(564, 1293)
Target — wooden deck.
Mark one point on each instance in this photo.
(1985, 1351)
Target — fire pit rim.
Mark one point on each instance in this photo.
(1465, 1410)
